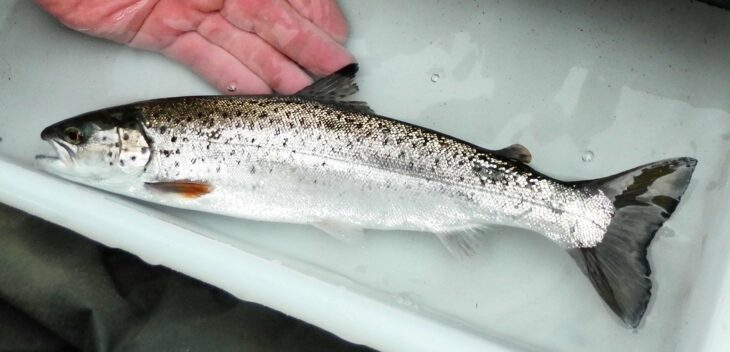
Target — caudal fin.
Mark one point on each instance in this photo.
(644, 198)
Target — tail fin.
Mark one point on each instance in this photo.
(644, 198)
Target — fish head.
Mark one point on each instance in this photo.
(105, 146)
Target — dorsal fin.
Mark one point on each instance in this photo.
(336, 86)
(515, 152)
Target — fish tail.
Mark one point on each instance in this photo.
(644, 198)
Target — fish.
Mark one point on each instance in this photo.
(317, 158)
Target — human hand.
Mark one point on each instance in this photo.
(239, 46)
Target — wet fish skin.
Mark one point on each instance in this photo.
(314, 159)
(295, 159)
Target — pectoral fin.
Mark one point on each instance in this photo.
(187, 189)
(341, 231)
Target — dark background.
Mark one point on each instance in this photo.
(62, 292)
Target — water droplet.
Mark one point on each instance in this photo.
(667, 232)
(435, 77)
(232, 87)
(587, 156)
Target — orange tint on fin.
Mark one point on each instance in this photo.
(187, 189)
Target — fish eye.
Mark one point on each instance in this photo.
(72, 135)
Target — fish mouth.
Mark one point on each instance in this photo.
(63, 150)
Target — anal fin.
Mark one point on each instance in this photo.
(342, 231)
(461, 243)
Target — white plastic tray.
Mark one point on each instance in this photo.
(628, 82)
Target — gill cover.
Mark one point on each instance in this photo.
(104, 146)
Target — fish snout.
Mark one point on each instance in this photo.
(49, 133)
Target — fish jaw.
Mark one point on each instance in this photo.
(61, 162)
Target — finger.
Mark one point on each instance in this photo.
(325, 14)
(215, 65)
(283, 28)
(163, 25)
(115, 20)
(280, 73)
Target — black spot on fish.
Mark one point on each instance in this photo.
(173, 139)
(109, 154)
(145, 150)
(285, 141)
(185, 139)
(163, 129)
(125, 137)
(358, 125)
(238, 113)
(225, 115)
(177, 163)
(177, 151)
(134, 158)
(117, 145)
(111, 163)
(252, 170)
(324, 163)
(166, 153)
(121, 162)
(102, 138)
(200, 115)
(253, 140)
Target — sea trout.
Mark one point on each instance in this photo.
(316, 158)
